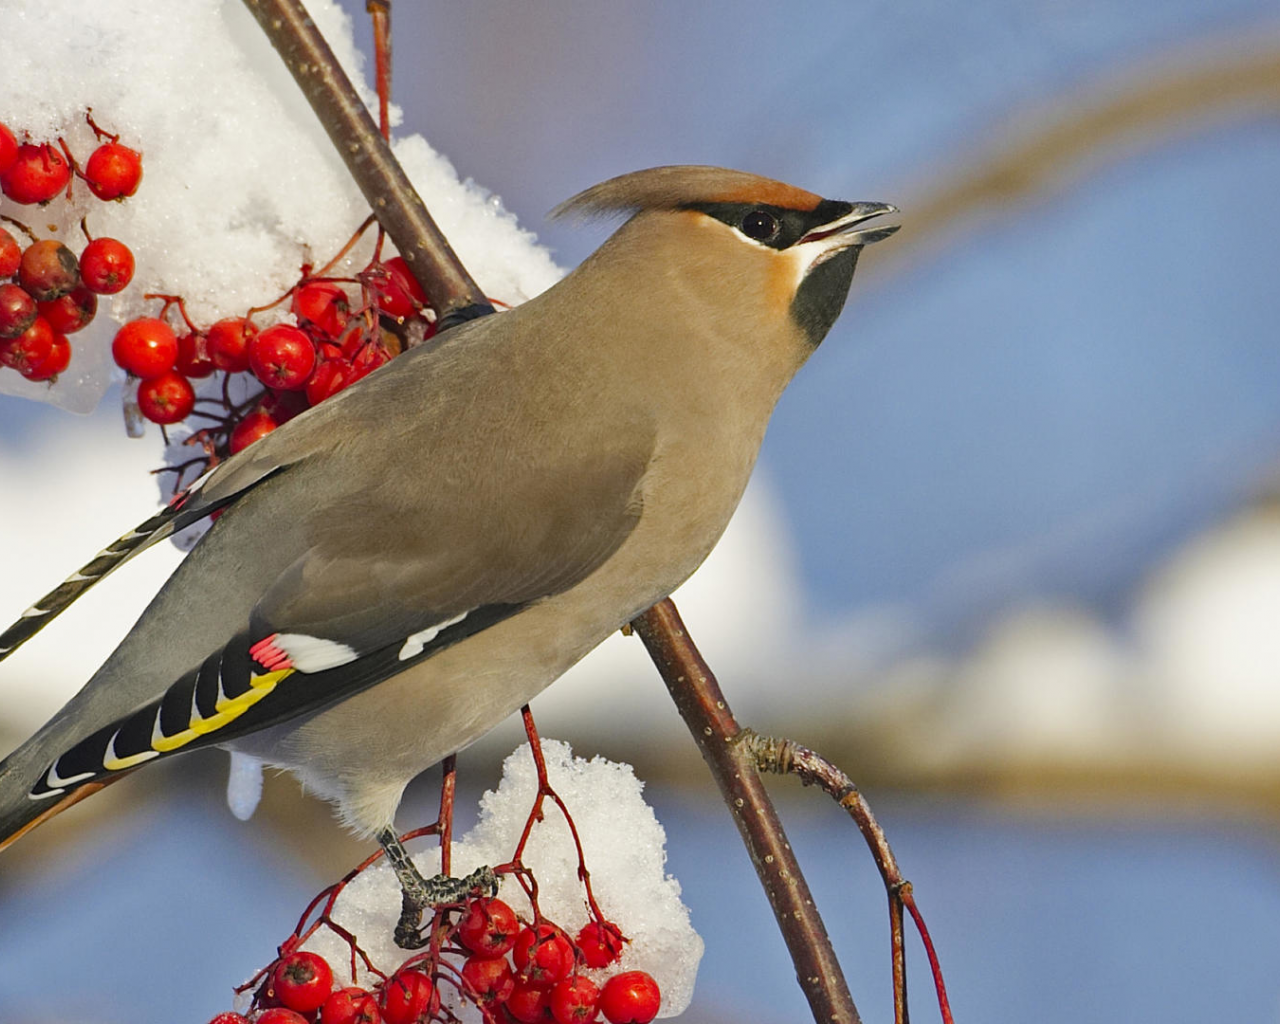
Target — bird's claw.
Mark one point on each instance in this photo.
(423, 894)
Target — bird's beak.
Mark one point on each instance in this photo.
(839, 233)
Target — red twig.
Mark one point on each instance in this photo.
(359, 232)
(71, 160)
(20, 226)
(101, 133)
(173, 300)
(380, 12)
(448, 788)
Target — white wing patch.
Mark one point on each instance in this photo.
(55, 781)
(314, 653)
(414, 644)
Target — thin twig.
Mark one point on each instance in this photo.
(380, 14)
(786, 757)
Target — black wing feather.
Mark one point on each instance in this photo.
(229, 674)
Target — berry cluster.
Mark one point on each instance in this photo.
(514, 973)
(47, 293)
(331, 340)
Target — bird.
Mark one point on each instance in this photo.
(401, 567)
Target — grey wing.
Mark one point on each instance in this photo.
(358, 608)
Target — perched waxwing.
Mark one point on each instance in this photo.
(403, 566)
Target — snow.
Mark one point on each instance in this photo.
(624, 848)
(240, 186)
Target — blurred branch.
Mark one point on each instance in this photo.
(1051, 148)
(706, 713)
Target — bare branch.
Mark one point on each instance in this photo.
(706, 713)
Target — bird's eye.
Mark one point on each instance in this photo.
(759, 225)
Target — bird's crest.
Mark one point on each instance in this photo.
(676, 187)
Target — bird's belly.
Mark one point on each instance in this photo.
(361, 753)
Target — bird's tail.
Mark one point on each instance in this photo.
(20, 812)
(177, 515)
(17, 819)
(19, 772)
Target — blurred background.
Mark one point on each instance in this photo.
(1011, 556)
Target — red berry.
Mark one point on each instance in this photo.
(630, 998)
(397, 291)
(253, 427)
(409, 997)
(350, 1006)
(529, 1004)
(282, 357)
(10, 252)
(71, 313)
(145, 347)
(17, 310)
(323, 304)
(30, 348)
(48, 270)
(193, 360)
(489, 928)
(599, 944)
(166, 399)
(281, 1015)
(543, 955)
(106, 265)
(302, 981)
(229, 1018)
(113, 171)
(229, 344)
(8, 148)
(573, 1001)
(37, 174)
(329, 378)
(58, 359)
(489, 980)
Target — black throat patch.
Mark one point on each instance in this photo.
(821, 294)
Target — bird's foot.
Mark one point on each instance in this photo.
(419, 894)
(422, 894)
